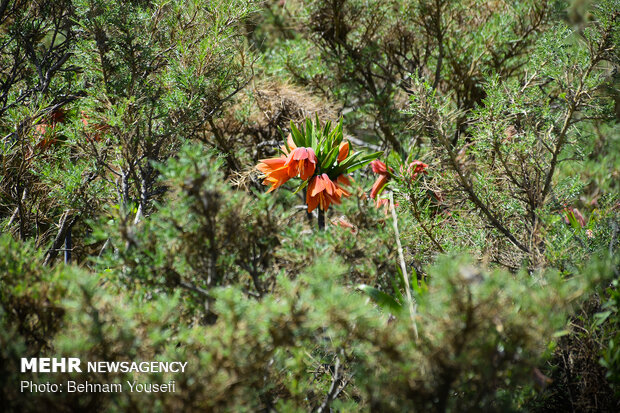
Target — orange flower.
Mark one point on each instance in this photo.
(301, 161)
(343, 151)
(568, 211)
(380, 168)
(276, 171)
(379, 184)
(414, 169)
(383, 202)
(45, 132)
(344, 180)
(344, 223)
(323, 192)
(98, 128)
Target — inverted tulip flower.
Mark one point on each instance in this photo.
(302, 162)
(322, 192)
(380, 168)
(408, 174)
(571, 213)
(378, 185)
(414, 169)
(384, 203)
(45, 131)
(317, 155)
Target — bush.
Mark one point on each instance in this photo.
(479, 334)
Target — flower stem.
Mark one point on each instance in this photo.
(403, 267)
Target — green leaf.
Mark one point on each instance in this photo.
(383, 300)
(573, 221)
(350, 160)
(419, 288)
(284, 139)
(330, 158)
(335, 136)
(298, 138)
(399, 295)
(327, 128)
(301, 186)
(310, 138)
(324, 145)
(352, 163)
(601, 317)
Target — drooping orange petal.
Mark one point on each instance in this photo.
(378, 167)
(293, 169)
(379, 183)
(317, 185)
(306, 169)
(312, 156)
(341, 191)
(335, 198)
(312, 200)
(322, 191)
(323, 201)
(330, 188)
(344, 180)
(275, 170)
(268, 165)
(343, 151)
(299, 154)
(301, 161)
(276, 179)
(290, 142)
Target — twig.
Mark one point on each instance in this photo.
(196, 289)
(418, 217)
(403, 267)
(336, 388)
(65, 225)
(473, 197)
(16, 210)
(105, 244)
(614, 233)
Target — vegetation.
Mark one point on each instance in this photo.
(319, 205)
